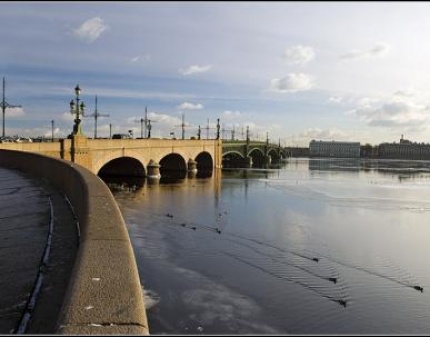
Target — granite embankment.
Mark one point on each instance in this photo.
(104, 295)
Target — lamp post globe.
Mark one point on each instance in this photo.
(77, 110)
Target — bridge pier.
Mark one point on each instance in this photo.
(192, 168)
(153, 170)
(192, 165)
(76, 148)
(192, 174)
(248, 162)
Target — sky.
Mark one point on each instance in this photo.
(290, 71)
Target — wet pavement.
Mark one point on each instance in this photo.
(38, 245)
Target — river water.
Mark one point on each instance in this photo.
(315, 247)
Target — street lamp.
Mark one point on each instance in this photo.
(78, 109)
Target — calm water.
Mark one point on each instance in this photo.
(316, 247)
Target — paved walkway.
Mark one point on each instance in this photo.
(38, 245)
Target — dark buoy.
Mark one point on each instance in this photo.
(419, 288)
(332, 279)
(342, 302)
(183, 224)
(218, 231)
(194, 228)
(315, 259)
(169, 215)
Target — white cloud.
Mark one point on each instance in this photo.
(190, 106)
(292, 83)
(67, 117)
(162, 124)
(231, 115)
(91, 29)
(323, 134)
(406, 94)
(15, 112)
(194, 69)
(48, 134)
(142, 58)
(299, 55)
(380, 50)
(394, 114)
(335, 99)
(364, 101)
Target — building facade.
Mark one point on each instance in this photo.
(405, 149)
(334, 149)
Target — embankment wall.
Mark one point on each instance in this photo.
(104, 294)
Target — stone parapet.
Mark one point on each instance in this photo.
(104, 294)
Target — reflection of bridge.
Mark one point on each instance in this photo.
(241, 153)
(154, 157)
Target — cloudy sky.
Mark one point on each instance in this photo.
(295, 71)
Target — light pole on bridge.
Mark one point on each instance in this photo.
(96, 115)
(78, 110)
(5, 105)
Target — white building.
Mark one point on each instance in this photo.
(405, 149)
(333, 149)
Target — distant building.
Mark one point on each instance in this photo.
(296, 152)
(405, 149)
(368, 151)
(334, 149)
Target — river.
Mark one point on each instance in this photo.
(314, 247)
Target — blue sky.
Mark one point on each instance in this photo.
(353, 71)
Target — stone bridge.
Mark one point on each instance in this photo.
(242, 153)
(153, 157)
(134, 157)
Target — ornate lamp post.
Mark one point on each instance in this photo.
(78, 110)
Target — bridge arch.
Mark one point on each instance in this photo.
(258, 158)
(172, 162)
(204, 161)
(235, 154)
(274, 155)
(232, 159)
(100, 160)
(124, 166)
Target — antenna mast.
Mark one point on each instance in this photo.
(5, 105)
(96, 115)
(183, 126)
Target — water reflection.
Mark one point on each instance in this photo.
(399, 169)
(349, 164)
(121, 183)
(402, 170)
(118, 182)
(241, 173)
(313, 248)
